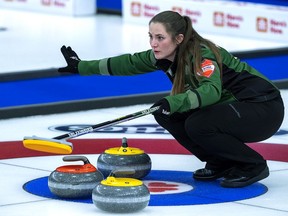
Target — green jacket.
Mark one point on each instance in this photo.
(238, 81)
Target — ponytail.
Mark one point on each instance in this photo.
(183, 58)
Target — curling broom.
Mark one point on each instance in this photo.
(60, 145)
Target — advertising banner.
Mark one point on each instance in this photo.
(220, 17)
(65, 7)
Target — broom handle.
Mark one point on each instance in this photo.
(92, 128)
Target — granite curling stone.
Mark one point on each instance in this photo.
(74, 181)
(124, 157)
(121, 195)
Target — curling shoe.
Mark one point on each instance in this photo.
(234, 180)
(209, 174)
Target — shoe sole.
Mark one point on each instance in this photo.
(211, 178)
(264, 174)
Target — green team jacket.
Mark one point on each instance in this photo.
(238, 82)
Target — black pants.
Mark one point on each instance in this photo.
(217, 134)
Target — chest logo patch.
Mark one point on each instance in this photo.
(207, 68)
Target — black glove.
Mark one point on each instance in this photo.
(164, 107)
(72, 60)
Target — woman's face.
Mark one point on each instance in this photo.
(162, 43)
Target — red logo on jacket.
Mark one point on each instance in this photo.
(207, 68)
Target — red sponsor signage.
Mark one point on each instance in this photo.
(274, 26)
(221, 19)
(136, 9)
(146, 10)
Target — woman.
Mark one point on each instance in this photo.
(217, 103)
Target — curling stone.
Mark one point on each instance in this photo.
(74, 181)
(120, 195)
(124, 157)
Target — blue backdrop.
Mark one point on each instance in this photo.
(75, 87)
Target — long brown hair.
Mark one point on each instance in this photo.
(176, 24)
